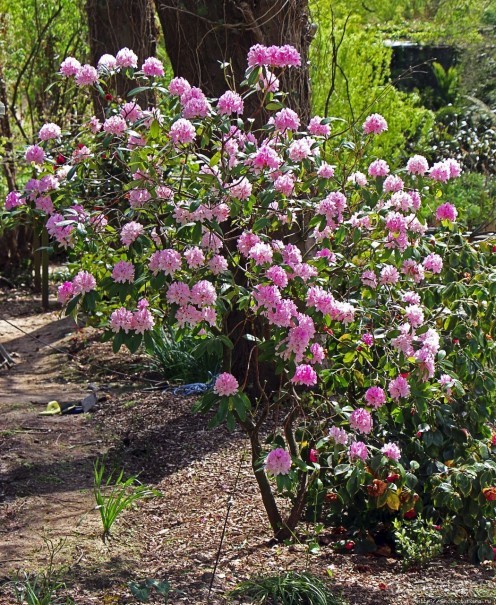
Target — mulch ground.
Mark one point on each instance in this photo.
(46, 472)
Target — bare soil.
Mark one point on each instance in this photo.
(46, 482)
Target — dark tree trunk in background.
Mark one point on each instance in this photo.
(201, 33)
(115, 24)
(15, 243)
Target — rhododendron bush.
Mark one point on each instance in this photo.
(357, 339)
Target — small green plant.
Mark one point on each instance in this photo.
(115, 495)
(417, 542)
(179, 358)
(142, 590)
(290, 588)
(42, 587)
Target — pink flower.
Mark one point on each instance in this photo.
(261, 253)
(153, 67)
(178, 86)
(203, 294)
(131, 111)
(217, 264)
(391, 451)
(285, 184)
(389, 275)
(278, 462)
(226, 385)
(229, 103)
(339, 436)
(361, 421)
(194, 257)
(240, 189)
(44, 204)
(131, 232)
(258, 55)
(194, 103)
(318, 353)
(126, 58)
(142, 319)
(446, 212)
(378, 168)
(358, 449)
(454, 168)
(265, 157)
(433, 263)
(412, 298)
(304, 374)
(86, 75)
(415, 315)
(65, 292)
(182, 131)
(399, 387)
(34, 153)
(374, 124)
(392, 184)
(417, 165)
(368, 339)
(325, 171)
(440, 172)
(84, 282)
(286, 119)
(121, 319)
(13, 200)
(316, 128)
(107, 63)
(369, 278)
(49, 131)
(178, 293)
(168, 261)
(268, 82)
(300, 150)
(115, 125)
(446, 381)
(358, 178)
(69, 67)
(123, 272)
(375, 397)
(138, 197)
(278, 276)
(283, 56)
(94, 125)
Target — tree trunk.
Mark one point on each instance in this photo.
(199, 34)
(115, 24)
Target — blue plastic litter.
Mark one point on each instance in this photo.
(194, 388)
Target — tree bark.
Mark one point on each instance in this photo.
(199, 34)
(115, 24)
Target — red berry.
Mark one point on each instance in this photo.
(350, 545)
(410, 514)
(109, 97)
(419, 434)
(60, 159)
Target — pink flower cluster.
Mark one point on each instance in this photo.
(274, 56)
(361, 421)
(13, 199)
(153, 67)
(230, 102)
(374, 124)
(305, 375)
(123, 271)
(49, 131)
(278, 462)
(140, 320)
(226, 385)
(446, 170)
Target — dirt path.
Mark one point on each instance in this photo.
(45, 478)
(46, 481)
